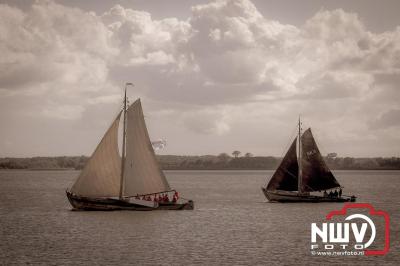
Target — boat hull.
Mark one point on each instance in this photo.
(111, 204)
(103, 204)
(189, 205)
(291, 196)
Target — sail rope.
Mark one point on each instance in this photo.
(321, 151)
(285, 150)
(295, 177)
(151, 194)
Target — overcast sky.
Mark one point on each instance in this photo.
(214, 76)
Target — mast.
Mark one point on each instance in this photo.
(299, 182)
(121, 186)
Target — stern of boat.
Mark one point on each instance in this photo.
(186, 205)
(266, 194)
(189, 205)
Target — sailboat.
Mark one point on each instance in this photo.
(132, 181)
(301, 176)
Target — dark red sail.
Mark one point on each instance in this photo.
(286, 176)
(316, 175)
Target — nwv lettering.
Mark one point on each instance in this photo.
(352, 234)
(333, 233)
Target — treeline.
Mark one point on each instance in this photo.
(60, 162)
(206, 162)
(220, 162)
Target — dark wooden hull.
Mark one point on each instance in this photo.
(111, 204)
(289, 196)
(189, 205)
(103, 204)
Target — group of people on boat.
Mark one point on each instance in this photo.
(160, 197)
(331, 194)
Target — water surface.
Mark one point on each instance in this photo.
(232, 223)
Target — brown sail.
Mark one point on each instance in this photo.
(142, 174)
(316, 175)
(286, 176)
(101, 175)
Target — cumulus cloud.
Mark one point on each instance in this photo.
(69, 112)
(207, 121)
(388, 119)
(52, 43)
(142, 40)
(233, 42)
(225, 68)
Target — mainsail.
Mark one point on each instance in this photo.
(142, 174)
(286, 176)
(315, 173)
(101, 175)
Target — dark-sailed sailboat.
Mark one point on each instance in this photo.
(299, 176)
(128, 182)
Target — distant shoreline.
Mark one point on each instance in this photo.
(197, 170)
(204, 162)
(72, 169)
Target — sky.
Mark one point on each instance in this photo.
(213, 76)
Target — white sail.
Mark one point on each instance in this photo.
(142, 174)
(102, 173)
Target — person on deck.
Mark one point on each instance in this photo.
(166, 198)
(325, 194)
(174, 199)
(330, 194)
(340, 192)
(335, 194)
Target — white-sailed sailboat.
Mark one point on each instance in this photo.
(133, 181)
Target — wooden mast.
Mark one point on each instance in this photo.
(299, 178)
(121, 186)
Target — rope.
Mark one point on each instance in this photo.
(150, 194)
(286, 148)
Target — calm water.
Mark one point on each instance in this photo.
(232, 223)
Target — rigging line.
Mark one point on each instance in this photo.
(292, 134)
(285, 150)
(292, 175)
(150, 194)
(322, 150)
(295, 177)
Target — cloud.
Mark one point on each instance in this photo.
(225, 68)
(232, 41)
(68, 112)
(388, 119)
(142, 40)
(213, 122)
(52, 43)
